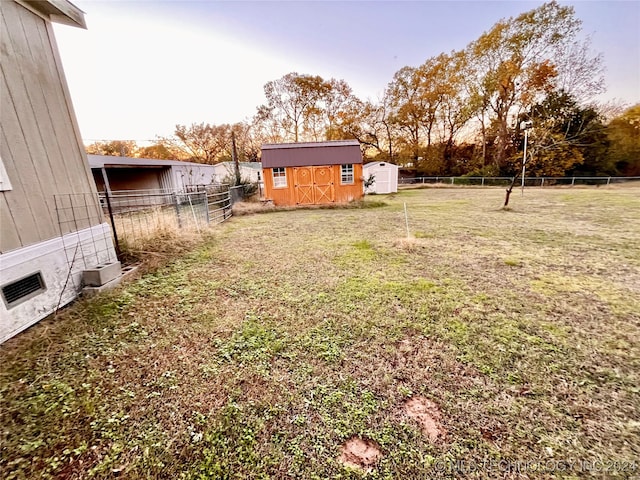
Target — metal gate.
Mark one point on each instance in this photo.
(218, 206)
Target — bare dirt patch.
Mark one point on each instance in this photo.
(360, 453)
(427, 414)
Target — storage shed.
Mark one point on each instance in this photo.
(312, 173)
(385, 177)
(249, 171)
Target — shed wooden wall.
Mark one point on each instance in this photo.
(286, 196)
(40, 143)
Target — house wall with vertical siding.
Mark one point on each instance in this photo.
(40, 144)
(42, 155)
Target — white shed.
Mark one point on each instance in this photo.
(385, 177)
(249, 171)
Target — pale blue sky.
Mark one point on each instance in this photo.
(144, 66)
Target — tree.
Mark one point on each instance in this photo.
(624, 134)
(248, 143)
(337, 100)
(369, 124)
(455, 108)
(292, 103)
(159, 151)
(116, 148)
(520, 60)
(565, 136)
(428, 108)
(579, 74)
(200, 143)
(408, 108)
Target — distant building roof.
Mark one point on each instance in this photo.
(110, 161)
(99, 161)
(337, 152)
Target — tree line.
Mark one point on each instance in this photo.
(459, 113)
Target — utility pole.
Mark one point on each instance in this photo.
(234, 156)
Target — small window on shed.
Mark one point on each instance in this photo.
(279, 177)
(22, 290)
(346, 173)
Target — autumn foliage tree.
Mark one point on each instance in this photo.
(567, 137)
(624, 134)
(116, 148)
(514, 66)
(158, 151)
(456, 113)
(304, 107)
(292, 104)
(510, 70)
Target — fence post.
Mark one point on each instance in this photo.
(452, 180)
(573, 180)
(542, 182)
(482, 181)
(175, 204)
(608, 180)
(206, 207)
(193, 212)
(227, 210)
(113, 224)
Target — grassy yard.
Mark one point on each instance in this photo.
(491, 344)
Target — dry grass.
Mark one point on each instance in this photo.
(261, 352)
(152, 235)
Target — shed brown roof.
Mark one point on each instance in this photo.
(338, 152)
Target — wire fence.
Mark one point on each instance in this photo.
(137, 216)
(505, 181)
(86, 239)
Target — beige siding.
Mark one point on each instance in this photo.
(9, 232)
(41, 146)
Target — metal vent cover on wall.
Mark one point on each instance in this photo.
(21, 290)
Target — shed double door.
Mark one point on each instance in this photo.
(383, 181)
(313, 185)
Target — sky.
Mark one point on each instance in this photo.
(144, 66)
